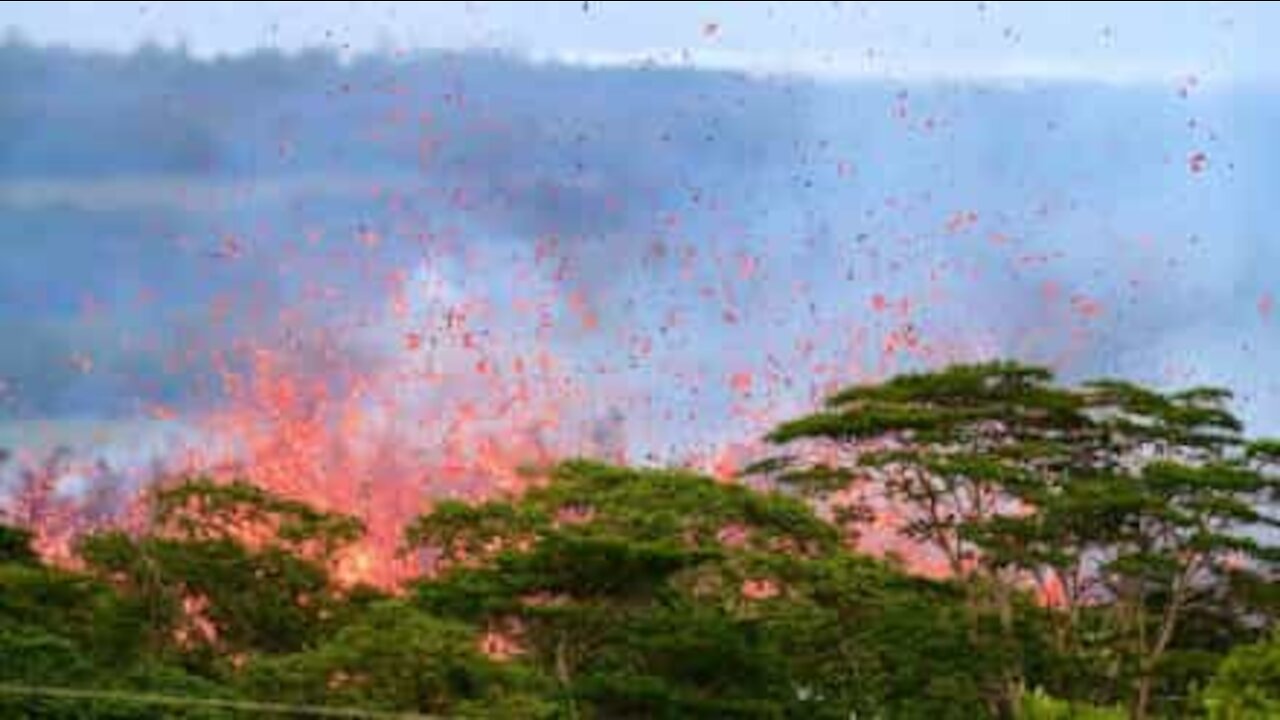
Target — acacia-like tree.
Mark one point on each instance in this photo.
(1117, 502)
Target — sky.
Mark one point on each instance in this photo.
(1116, 41)
(703, 253)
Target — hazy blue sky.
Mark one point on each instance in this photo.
(1117, 41)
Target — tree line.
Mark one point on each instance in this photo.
(1106, 551)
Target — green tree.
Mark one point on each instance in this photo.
(1107, 544)
(582, 573)
(1163, 522)
(1247, 685)
(65, 630)
(226, 570)
(666, 594)
(950, 453)
(395, 657)
(1127, 507)
(15, 546)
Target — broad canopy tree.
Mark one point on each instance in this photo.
(651, 593)
(1117, 502)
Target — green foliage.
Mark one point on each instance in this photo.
(1247, 684)
(865, 638)
(1039, 706)
(31, 655)
(1133, 508)
(954, 448)
(267, 601)
(33, 596)
(395, 657)
(654, 505)
(202, 509)
(940, 404)
(64, 630)
(202, 593)
(15, 546)
(634, 602)
(610, 592)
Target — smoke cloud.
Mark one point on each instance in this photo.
(700, 252)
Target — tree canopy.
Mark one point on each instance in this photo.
(1105, 550)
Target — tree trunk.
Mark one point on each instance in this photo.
(1168, 621)
(563, 677)
(1142, 704)
(1013, 682)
